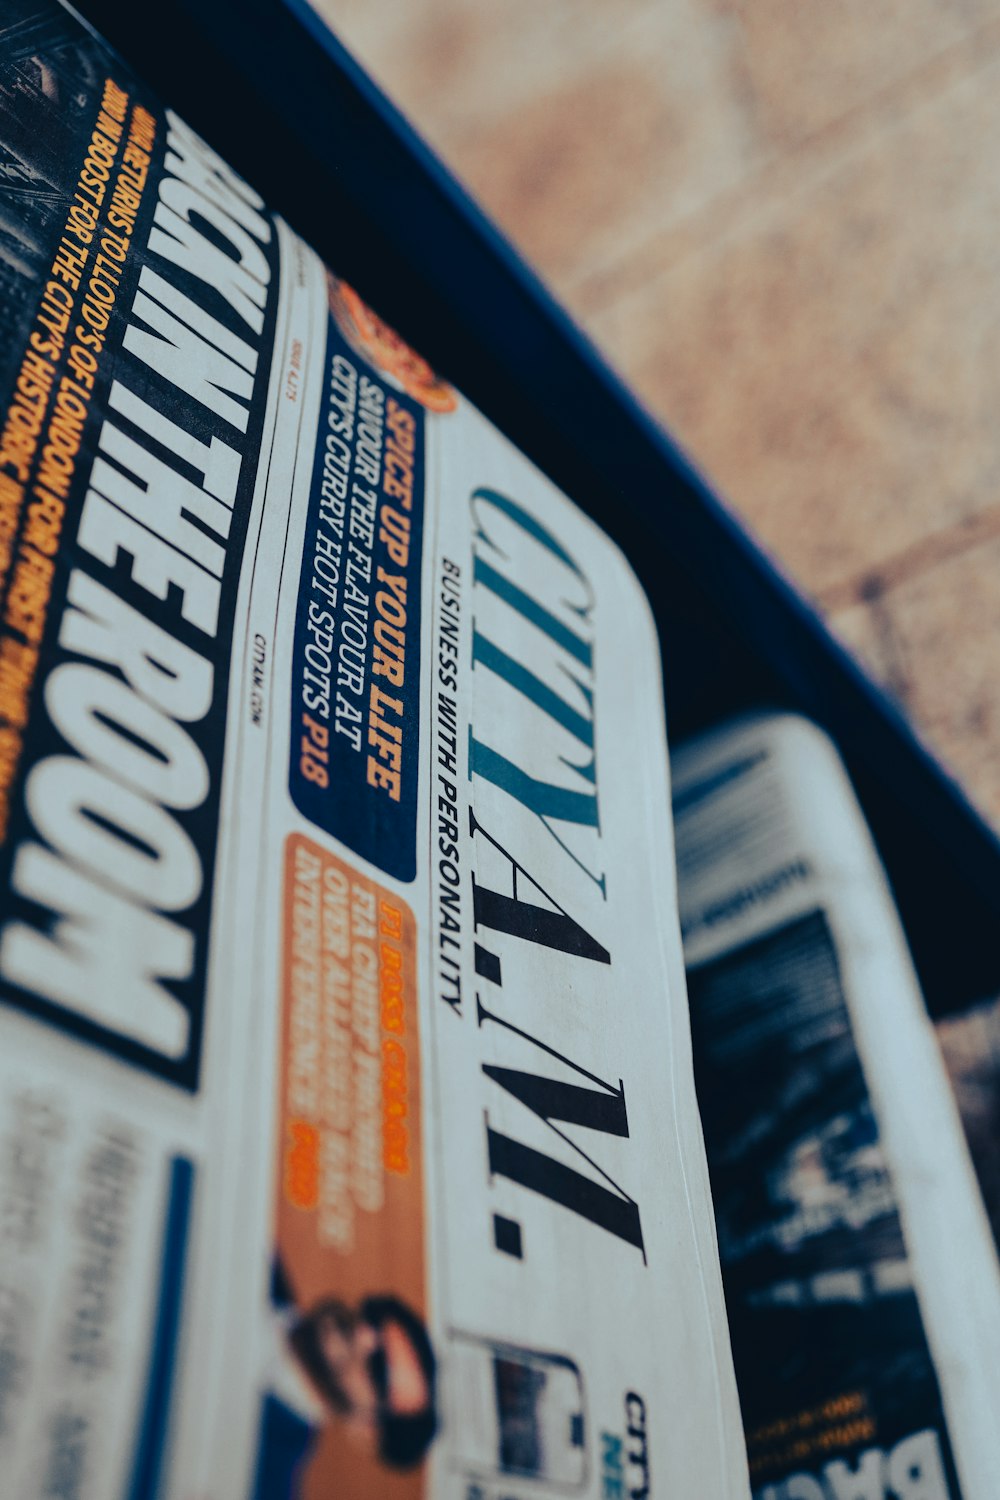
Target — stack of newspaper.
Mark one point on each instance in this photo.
(860, 1270)
(349, 1142)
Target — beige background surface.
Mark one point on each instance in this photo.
(780, 220)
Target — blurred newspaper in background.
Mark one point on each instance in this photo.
(860, 1271)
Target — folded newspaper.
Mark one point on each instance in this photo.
(860, 1271)
(348, 1137)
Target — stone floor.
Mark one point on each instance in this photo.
(781, 222)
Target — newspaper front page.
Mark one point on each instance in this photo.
(861, 1275)
(348, 1142)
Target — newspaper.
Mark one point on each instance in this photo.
(348, 1139)
(861, 1275)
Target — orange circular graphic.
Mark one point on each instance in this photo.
(366, 333)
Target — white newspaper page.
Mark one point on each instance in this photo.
(348, 1141)
(861, 1275)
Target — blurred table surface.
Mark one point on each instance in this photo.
(781, 223)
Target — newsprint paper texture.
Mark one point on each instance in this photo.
(348, 1142)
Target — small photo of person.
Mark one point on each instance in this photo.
(374, 1369)
(368, 1371)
